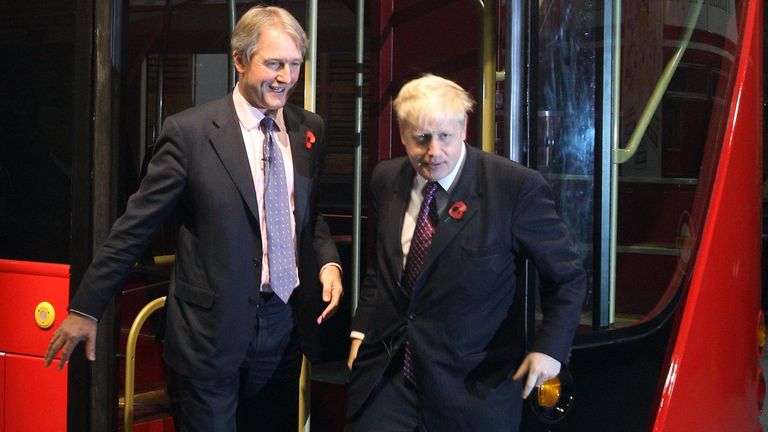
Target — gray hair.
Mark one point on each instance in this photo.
(245, 38)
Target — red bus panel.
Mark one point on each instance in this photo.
(23, 286)
(711, 382)
(33, 397)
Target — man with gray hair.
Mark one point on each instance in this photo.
(436, 343)
(256, 269)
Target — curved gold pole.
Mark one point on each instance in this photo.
(130, 358)
(621, 155)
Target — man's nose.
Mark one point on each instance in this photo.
(433, 146)
(284, 73)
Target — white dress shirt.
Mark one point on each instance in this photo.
(250, 118)
(414, 205)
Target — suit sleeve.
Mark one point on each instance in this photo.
(544, 237)
(325, 247)
(131, 234)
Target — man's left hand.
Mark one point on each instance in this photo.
(330, 277)
(539, 368)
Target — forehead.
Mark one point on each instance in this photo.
(277, 43)
(436, 125)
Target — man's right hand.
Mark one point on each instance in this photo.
(355, 345)
(71, 331)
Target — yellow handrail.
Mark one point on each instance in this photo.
(487, 105)
(130, 358)
(621, 155)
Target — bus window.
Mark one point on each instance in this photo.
(635, 223)
(39, 123)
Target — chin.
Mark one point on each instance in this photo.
(275, 104)
(429, 176)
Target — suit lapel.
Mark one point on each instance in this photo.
(302, 165)
(395, 211)
(227, 141)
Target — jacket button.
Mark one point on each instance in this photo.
(412, 316)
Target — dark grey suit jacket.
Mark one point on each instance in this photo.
(460, 318)
(201, 173)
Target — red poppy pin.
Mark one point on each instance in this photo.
(310, 139)
(457, 210)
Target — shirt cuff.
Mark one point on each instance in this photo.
(330, 264)
(83, 314)
(357, 335)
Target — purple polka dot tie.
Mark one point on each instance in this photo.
(420, 242)
(280, 248)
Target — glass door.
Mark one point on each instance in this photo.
(629, 97)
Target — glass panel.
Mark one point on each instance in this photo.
(663, 189)
(658, 186)
(37, 119)
(567, 94)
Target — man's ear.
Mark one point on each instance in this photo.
(402, 130)
(239, 60)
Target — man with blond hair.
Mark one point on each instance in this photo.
(436, 343)
(256, 270)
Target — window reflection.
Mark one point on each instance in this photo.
(658, 213)
(565, 150)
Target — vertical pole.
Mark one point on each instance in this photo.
(604, 251)
(310, 67)
(514, 100)
(615, 113)
(310, 60)
(231, 72)
(488, 81)
(357, 157)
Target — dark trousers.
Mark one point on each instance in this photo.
(262, 395)
(393, 406)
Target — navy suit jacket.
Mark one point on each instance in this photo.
(201, 173)
(461, 317)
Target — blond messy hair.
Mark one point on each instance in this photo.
(431, 98)
(245, 37)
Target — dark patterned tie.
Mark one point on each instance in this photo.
(422, 238)
(280, 249)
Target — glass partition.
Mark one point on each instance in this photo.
(599, 64)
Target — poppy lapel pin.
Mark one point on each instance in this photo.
(310, 139)
(457, 210)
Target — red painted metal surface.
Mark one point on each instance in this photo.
(2, 392)
(33, 397)
(23, 285)
(415, 37)
(712, 381)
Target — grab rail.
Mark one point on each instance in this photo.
(621, 155)
(488, 75)
(130, 358)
